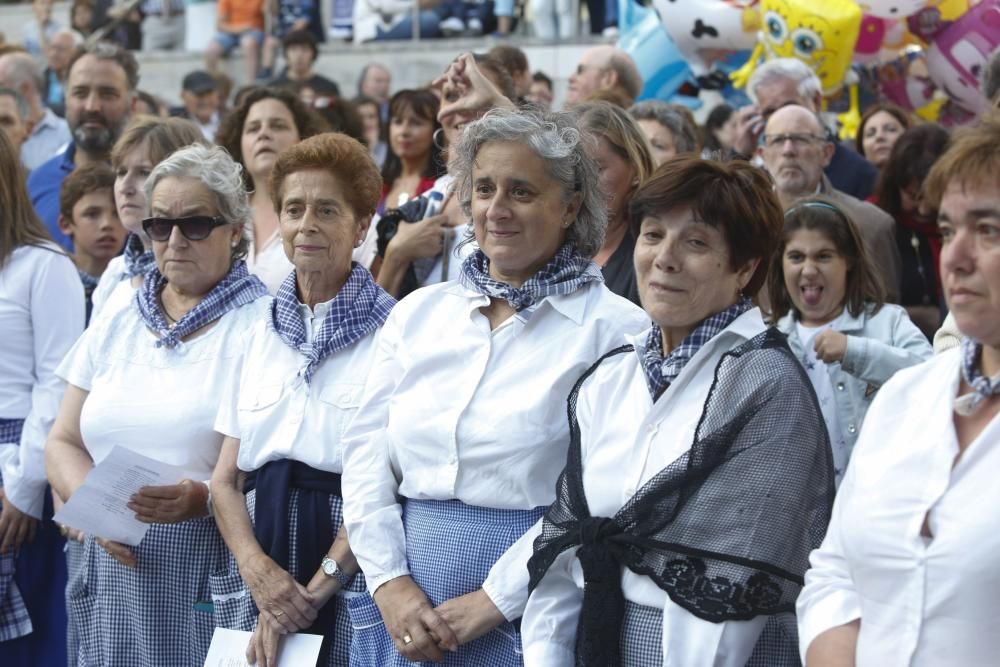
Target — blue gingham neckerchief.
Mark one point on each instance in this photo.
(565, 273)
(982, 386)
(660, 372)
(138, 260)
(238, 288)
(358, 310)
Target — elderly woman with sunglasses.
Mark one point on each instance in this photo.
(148, 377)
(300, 383)
(460, 435)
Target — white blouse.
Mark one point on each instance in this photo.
(41, 316)
(626, 440)
(275, 415)
(158, 401)
(112, 292)
(453, 410)
(922, 602)
(269, 262)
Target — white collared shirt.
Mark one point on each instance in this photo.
(41, 316)
(453, 410)
(922, 602)
(626, 439)
(272, 411)
(157, 401)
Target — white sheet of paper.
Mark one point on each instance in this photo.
(99, 506)
(229, 647)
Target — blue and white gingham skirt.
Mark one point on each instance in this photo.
(14, 619)
(450, 548)
(235, 608)
(642, 640)
(160, 612)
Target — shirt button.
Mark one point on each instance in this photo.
(852, 429)
(840, 386)
(629, 492)
(651, 428)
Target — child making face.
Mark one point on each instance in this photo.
(87, 214)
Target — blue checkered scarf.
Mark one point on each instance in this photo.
(982, 386)
(237, 289)
(358, 310)
(660, 372)
(138, 260)
(565, 273)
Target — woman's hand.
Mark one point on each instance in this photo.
(417, 629)
(470, 616)
(170, 504)
(830, 346)
(16, 527)
(284, 602)
(466, 91)
(263, 646)
(119, 552)
(415, 240)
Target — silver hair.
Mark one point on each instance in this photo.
(685, 140)
(785, 68)
(554, 138)
(217, 171)
(21, 69)
(23, 112)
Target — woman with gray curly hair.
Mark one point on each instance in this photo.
(441, 497)
(148, 378)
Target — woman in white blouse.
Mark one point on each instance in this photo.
(300, 382)
(699, 475)
(266, 122)
(144, 144)
(907, 573)
(41, 315)
(149, 377)
(454, 452)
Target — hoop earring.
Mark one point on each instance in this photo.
(439, 139)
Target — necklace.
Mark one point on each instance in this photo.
(172, 320)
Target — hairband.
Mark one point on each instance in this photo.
(814, 204)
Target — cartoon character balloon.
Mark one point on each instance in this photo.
(958, 53)
(704, 30)
(823, 40)
(822, 35)
(892, 9)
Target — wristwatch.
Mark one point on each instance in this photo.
(331, 569)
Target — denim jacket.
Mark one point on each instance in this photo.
(878, 345)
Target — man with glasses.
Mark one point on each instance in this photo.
(795, 149)
(785, 81)
(604, 68)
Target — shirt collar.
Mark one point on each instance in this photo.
(746, 326)
(572, 306)
(67, 163)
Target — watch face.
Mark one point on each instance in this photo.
(329, 566)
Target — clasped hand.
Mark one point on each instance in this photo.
(422, 632)
(284, 603)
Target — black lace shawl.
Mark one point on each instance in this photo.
(727, 528)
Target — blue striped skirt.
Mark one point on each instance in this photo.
(450, 548)
(642, 639)
(160, 612)
(235, 608)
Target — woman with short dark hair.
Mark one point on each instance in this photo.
(682, 555)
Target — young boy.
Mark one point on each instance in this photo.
(87, 215)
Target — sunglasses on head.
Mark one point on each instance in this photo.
(195, 228)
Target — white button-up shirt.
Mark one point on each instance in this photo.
(922, 602)
(41, 316)
(453, 410)
(626, 440)
(272, 411)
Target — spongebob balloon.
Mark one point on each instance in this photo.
(820, 34)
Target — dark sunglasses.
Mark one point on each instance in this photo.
(195, 228)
